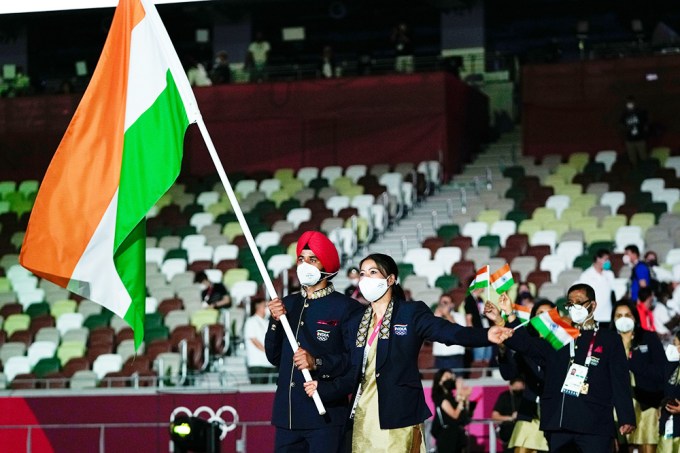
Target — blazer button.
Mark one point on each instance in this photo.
(302, 323)
(377, 374)
(292, 384)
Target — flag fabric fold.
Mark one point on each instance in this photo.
(481, 279)
(502, 280)
(554, 329)
(121, 152)
(523, 313)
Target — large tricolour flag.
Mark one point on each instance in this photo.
(120, 154)
(554, 329)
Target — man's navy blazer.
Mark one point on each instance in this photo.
(608, 380)
(400, 392)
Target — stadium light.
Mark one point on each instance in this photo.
(32, 6)
(195, 434)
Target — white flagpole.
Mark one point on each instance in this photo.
(488, 286)
(253, 248)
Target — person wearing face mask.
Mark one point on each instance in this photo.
(353, 290)
(583, 380)
(639, 276)
(635, 126)
(453, 411)
(317, 315)
(669, 416)
(212, 294)
(601, 278)
(526, 437)
(388, 406)
(646, 361)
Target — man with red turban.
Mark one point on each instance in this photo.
(317, 315)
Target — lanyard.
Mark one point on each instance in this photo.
(590, 349)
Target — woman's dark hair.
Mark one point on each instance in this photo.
(439, 392)
(538, 304)
(387, 266)
(637, 329)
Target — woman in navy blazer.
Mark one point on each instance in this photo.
(388, 404)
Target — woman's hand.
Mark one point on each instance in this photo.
(310, 387)
(505, 304)
(673, 406)
(493, 314)
(498, 335)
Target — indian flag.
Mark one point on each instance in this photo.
(522, 312)
(553, 329)
(502, 280)
(119, 155)
(481, 280)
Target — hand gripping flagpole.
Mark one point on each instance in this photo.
(255, 251)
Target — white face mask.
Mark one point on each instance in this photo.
(204, 286)
(578, 313)
(308, 275)
(624, 324)
(373, 288)
(626, 259)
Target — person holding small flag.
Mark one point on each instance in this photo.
(586, 375)
(389, 406)
(526, 435)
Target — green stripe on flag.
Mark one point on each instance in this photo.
(152, 158)
(505, 286)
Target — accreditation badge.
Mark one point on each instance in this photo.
(575, 380)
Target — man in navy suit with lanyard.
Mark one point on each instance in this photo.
(584, 381)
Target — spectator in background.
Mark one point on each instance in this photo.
(505, 410)
(196, 73)
(645, 301)
(453, 411)
(449, 357)
(212, 294)
(221, 72)
(635, 126)
(327, 66)
(403, 48)
(660, 279)
(666, 320)
(254, 332)
(640, 276)
(600, 277)
(257, 58)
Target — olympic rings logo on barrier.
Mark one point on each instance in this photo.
(214, 416)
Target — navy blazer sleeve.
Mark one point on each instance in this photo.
(535, 348)
(648, 367)
(431, 327)
(273, 340)
(507, 364)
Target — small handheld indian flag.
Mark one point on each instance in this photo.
(502, 280)
(553, 329)
(522, 312)
(481, 280)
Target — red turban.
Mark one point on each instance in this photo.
(322, 247)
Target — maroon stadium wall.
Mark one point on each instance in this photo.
(575, 107)
(365, 120)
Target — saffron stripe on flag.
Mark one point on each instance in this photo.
(121, 152)
(502, 280)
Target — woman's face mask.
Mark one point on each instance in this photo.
(373, 288)
(624, 324)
